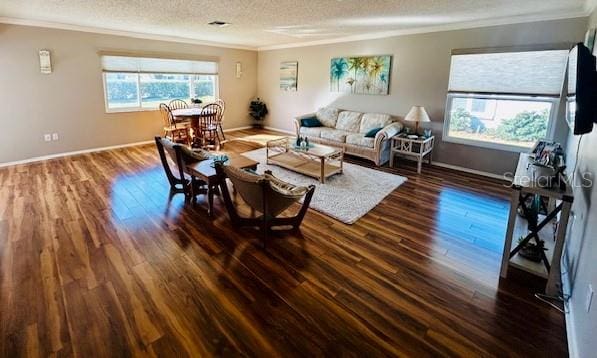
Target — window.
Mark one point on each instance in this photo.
(504, 100)
(122, 90)
(135, 83)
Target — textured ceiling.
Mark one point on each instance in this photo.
(260, 23)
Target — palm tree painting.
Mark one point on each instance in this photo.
(361, 75)
(338, 70)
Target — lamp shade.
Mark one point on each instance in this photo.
(417, 114)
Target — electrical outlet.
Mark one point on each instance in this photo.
(589, 297)
(47, 137)
(54, 136)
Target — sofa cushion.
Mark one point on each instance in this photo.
(311, 131)
(374, 120)
(360, 140)
(349, 121)
(328, 116)
(310, 122)
(336, 135)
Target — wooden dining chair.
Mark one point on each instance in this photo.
(180, 156)
(208, 125)
(177, 132)
(178, 104)
(222, 104)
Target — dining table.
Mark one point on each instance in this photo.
(205, 171)
(191, 114)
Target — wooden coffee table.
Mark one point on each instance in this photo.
(204, 170)
(318, 161)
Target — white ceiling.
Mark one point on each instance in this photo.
(271, 23)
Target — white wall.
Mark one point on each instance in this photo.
(420, 73)
(581, 246)
(70, 101)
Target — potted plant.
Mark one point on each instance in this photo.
(258, 111)
(196, 102)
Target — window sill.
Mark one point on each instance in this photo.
(489, 145)
(129, 110)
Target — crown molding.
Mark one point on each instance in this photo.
(589, 7)
(104, 31)
(430, 29)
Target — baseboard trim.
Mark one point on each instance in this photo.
(568, 307)
(91, 150)
(237, 129)
(76, 152)
(100, 149)
(468, 170)
(279, 130)
(570, 332)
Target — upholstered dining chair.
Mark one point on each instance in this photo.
(177, 132)
(265, 194)
(208, 125)
(181, 156)
(222, 104)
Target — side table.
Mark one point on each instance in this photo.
(418, 148)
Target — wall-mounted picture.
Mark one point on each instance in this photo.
(288, 76)
(361, 75)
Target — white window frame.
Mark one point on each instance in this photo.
(139, 107)
(555, 102)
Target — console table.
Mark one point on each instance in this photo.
(528, 181)
(418, 148)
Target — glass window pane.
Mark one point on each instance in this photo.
(501, 121)
(204, 88)
(121, 90)
(479, 105)
(162, 88)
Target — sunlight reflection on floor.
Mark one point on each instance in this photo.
(261, 139)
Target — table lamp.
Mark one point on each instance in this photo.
(417, 114)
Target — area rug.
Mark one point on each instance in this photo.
(345, 197)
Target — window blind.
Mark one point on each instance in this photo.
(536, 73)
(157, 65)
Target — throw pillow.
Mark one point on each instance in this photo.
(310, 122)
(283, 187)
(372, 132)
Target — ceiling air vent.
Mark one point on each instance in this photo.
(219, 23)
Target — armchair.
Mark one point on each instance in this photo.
(267, 195)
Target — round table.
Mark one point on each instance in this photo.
(192, 114)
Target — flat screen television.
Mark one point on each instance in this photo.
(582, 90)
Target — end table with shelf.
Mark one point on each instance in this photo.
(415, 147)
(526, 183)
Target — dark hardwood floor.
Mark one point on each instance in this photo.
(97, 260)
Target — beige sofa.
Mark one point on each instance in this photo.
(347, 129)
